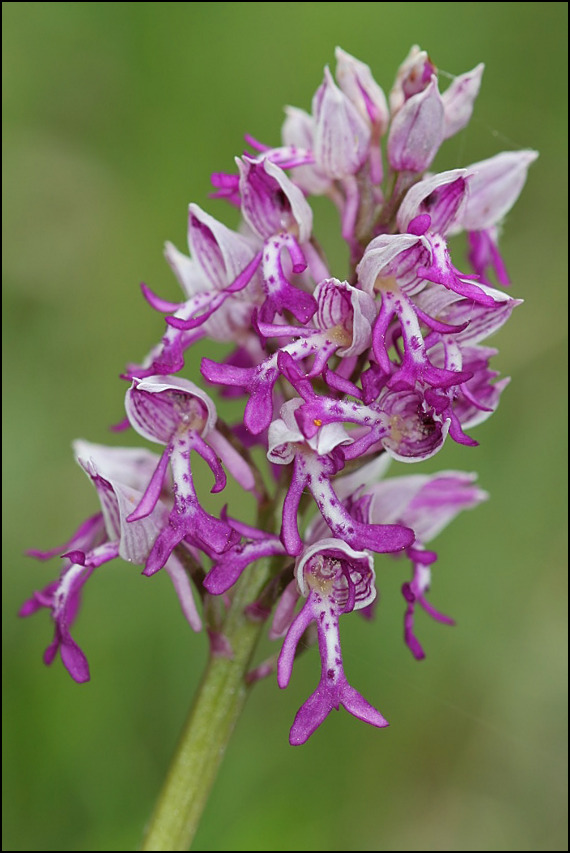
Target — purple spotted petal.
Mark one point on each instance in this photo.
(281, 294)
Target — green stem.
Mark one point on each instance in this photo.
(214, 713)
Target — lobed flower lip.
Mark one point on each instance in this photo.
(200, 310)
(335, 579)
(406, 425)
(414, 592)
(416, 368)
(327, 698)
(281, 295)
(63, 599)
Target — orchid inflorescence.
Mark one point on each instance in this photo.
(338, 376)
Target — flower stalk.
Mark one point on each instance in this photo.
(214, 713)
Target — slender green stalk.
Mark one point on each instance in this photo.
(215, 711)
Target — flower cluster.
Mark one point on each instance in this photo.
(334, 376)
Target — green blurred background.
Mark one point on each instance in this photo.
(115, 114)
